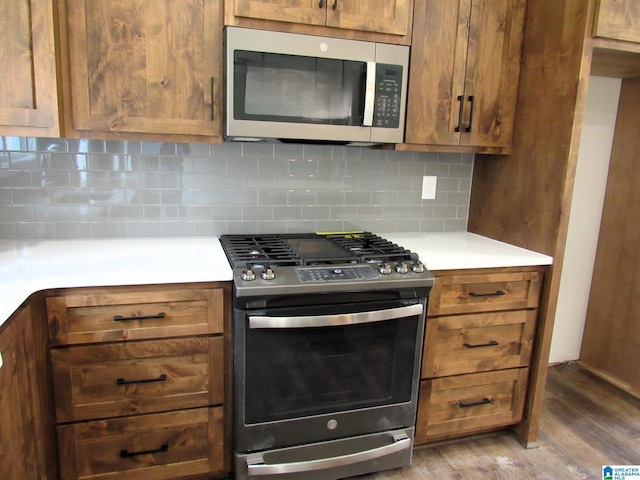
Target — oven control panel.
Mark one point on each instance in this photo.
(329, 274)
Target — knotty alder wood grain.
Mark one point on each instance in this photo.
(478, 342)
(465, 61)
(387, 21)
(188, 442)
(147, 66)
(18, 450)
(89, 315)
(618, 19)
(28, 97)
(485, 290)
(524, 199)
(116, 379)
(611, 342)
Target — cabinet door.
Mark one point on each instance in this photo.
(145, 66)
(465, 64)
(436, 73)
(492, 72)
(309, 12)
(28, 97)
(618, 19)
(384, 16)
(18, 434)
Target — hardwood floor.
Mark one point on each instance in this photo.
(586, 423)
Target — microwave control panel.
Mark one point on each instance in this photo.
(386, 113)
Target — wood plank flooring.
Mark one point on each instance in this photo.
(586, 423)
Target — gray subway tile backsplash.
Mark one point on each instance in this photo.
(77, 188)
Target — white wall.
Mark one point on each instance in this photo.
(586, 213)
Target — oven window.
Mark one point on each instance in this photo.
(309, 371)
(296, 89)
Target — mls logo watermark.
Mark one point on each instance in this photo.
(621, 472)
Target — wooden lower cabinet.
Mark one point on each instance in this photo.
(109, 380)
(479, 340)
(139, 381)
(20, 441)
(157, 446)
(462, 404)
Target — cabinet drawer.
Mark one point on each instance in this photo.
(103, 315)
(484, 292)
(478, 342)
(98, 381)
(159, 446)
(464, 404)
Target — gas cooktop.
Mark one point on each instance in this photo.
(311, 249)
(299, 263)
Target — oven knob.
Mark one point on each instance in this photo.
(402, 267)
(384, 268)
(417, 266)
(248, 275)
(268, 274)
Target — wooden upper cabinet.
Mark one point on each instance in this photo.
(618, 20)
(143, 66)
(382, 20)
(384, 16)
(28, 88)
(309, 12)
(465, 64)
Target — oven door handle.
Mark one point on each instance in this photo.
(335, 320)
(256, 465)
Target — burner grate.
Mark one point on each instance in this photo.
(360, 247)
(259, 249)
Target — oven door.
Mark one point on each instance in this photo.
(318, 373)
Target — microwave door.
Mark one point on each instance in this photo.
(297, 97)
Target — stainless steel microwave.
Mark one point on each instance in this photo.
(304, 87)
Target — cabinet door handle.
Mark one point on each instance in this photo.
(121, 318)
(497, 293)
(213, 103)
(335, 5)
(122, 381)
(471, 101)
(491, 343)
(126, 453)
(461, 102)
(321, 4)
(484, 401)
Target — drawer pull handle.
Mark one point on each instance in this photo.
(126, 453)
(498, 293)
(491, 343)
(120, 318)
(122, 381)
(484, 401)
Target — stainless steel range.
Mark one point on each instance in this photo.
(327, 338)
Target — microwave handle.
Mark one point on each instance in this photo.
(369, 95)
(259, 321)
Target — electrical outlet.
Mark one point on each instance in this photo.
(429, 187)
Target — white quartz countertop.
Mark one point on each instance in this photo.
(27, 267)
(463, 250)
